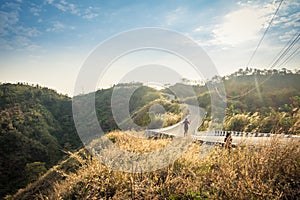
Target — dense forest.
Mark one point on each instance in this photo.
(37, 126)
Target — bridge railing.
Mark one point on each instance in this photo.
(242, 134)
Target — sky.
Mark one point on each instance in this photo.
(46, 42)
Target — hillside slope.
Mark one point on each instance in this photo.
(36, 125)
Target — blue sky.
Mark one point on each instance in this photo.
(46, 41)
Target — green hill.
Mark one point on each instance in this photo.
(36, 126)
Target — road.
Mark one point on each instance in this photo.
(195, 116)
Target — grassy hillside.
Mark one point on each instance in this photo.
(158, 114)
(271, 171)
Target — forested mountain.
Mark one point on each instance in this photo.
(36, 126)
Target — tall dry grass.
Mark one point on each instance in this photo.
(270, 171)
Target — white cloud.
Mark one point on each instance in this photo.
(90, 16)
(290, 4)
(65, 6)
(13, 34)
(73, 9)
(23, 43)
(240, 26)
(288, 35)
(90, 13)
(200, 29)
(33, 47)
(61, 7)
(7, 20)
(18, 42)
(25, 31)
(35, 11)
(56, 27)
(174, 16)
(63, 2)
(49, 1)
(4, 45)
(289, 20)
(11, 5)
(9, 25)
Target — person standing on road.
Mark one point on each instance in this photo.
(186, 126)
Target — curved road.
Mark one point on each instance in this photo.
(195, 117)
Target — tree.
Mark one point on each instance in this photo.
(34, 171)
(237, 122)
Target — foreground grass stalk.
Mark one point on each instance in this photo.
(270, 171)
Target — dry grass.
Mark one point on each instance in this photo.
(271, 171)
(267, 172)
(135, 142)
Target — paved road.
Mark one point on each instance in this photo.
(195, 116)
